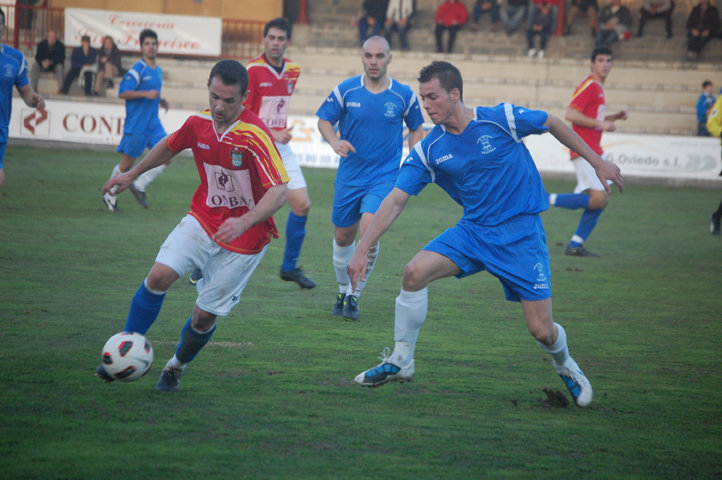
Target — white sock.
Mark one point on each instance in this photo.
(116, 171)
(371, 257)
(175, 363)
(411, 310)
(142, 181)
(558, 350)
(341, 257)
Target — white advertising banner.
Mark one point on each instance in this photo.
(652, 156)
(177, 34)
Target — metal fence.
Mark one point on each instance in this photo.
(27, 25)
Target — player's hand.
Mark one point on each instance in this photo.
(622, 115)
(118, 183)
(152, 94)
(38, 102)
(608, 126)
(230, 230)
(282, 136)
(164, 103)
(356, 268)
(343, 148)
(610, 171)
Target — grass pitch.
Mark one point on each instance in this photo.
(272, 397)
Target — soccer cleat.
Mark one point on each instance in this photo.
(169, 380)
(350, 307)
(338, 306)
(385, 372)
(195, 275)
(111, 201)
(714, 224)
(102, 374)
(139, 196)
(579, 251)
(578, 385)
(296, 275)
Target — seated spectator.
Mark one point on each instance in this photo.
(702, 24)
(512, 13)
(485, 6)
(49, 57)
(451, 15)
(373, 15)
(615, 23)
(704, 105)
(398, 17)
(576, 7)
(534, 6)
(542, 26)
(108, 64)
(656, 9)
(82, 57)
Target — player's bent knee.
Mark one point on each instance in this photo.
(414, 278)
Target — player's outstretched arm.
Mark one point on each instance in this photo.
(158, 155)
(31, 97)
(568, 137)
(387, 213)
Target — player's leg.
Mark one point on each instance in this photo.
(137, 188)
(131, 147)
(2, 158)
(345, 216)
(714, 220)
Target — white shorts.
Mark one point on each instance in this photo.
(295, 175)
(225, 273)
(586, 176)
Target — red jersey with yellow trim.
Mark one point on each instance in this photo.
(269, 92)
(588, 98)
(236, 168)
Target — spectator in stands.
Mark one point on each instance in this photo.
(82, 59)
(49, 57)
(702, 24)
(398, 17)
(451, 15)
(108, 64)
(512, 13)
(373, 15)
(704, 105)
(485, 6)
(534, 5)
(656, 9)
(541, 26)
(615, 23)
(576, 7)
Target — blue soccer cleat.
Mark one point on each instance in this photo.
(578, 385)
(385, 372)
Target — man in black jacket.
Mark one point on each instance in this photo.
(49, 57)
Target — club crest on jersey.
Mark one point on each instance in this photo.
(290, 87)
(236, 157)
(390, 109)
(486, 146)
(8, 71)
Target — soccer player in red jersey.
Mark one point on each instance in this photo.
(587, 113)
(230, 223)
(272, 81)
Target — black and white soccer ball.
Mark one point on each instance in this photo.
(127, 356)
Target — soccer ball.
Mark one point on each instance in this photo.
(127, 356)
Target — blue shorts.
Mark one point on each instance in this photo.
(2, 153)
(350, 201)
(515, 252)
(134, 144)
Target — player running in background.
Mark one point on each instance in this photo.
(371, 110)
(477, 156)
(587, 113)
(272, 81)
(15, 74)
(140, 88)
(229, 226)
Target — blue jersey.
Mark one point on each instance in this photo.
(141, 114)
(487, 168)
(374, 125)
(13, 73)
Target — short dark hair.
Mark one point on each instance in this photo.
(279, 23)
(448, 75)
(231, 72)
(601, 51)
(148, 33)
(85, 38)
(706, 83)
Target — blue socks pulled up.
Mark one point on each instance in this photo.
(295, 233)
(144, 309)
(191, 342)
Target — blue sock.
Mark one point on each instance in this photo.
(586, 225)
(191, 342)
(295, 233)
(144, 309)
(572, 201)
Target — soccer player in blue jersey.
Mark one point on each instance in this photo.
(477, 156)
(14, 68)
(140, 88)
(371, 110)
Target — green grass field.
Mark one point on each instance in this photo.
(272, 396)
